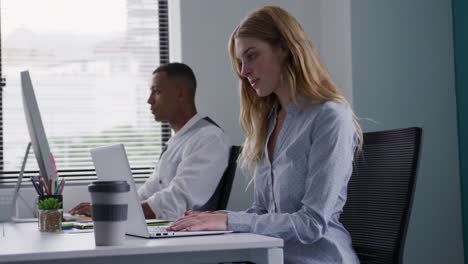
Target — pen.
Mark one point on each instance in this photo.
(41, 187)
(45, 186)
(35, 186)
(61, 185)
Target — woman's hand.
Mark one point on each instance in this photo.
(200, 221)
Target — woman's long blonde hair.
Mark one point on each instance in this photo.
(303, 73)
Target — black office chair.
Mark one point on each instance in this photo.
(380, 194)
(220, 197)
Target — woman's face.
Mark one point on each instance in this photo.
(260, 63)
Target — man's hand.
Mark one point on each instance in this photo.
(82, 208)
(149, 214)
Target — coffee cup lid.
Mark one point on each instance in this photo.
(109, 186)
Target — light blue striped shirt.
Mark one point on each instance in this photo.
(300, 195)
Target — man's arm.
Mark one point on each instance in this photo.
(150, 186)
(148, 212)
(196, 179)
(85, 209)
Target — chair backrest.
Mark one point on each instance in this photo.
(380, 194)
(220, 197)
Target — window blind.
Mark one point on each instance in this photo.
(91, 71)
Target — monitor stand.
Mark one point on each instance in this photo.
(16, 194)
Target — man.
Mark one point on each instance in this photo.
(196, 156)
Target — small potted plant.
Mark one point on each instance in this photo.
(50, 214)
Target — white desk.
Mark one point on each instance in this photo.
(24, 243)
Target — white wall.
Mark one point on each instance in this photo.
(203, 34)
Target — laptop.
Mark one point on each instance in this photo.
(111, 164)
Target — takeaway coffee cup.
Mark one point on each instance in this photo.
(109, 211)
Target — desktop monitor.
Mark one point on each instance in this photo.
(36, 129)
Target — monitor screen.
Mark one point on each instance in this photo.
(36, 129)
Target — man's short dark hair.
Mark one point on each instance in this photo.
(179, 71)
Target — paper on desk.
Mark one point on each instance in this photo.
(76, 231)
(150, 221)
(70, 217)
(157, 222)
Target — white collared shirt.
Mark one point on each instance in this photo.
(189, 171)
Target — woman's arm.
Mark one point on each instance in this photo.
(329, 168)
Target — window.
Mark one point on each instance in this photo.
(90, 64)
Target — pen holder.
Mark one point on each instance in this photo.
(50, 213)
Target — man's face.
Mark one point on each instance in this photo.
(163, 97)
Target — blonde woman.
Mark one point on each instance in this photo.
(301, 135)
